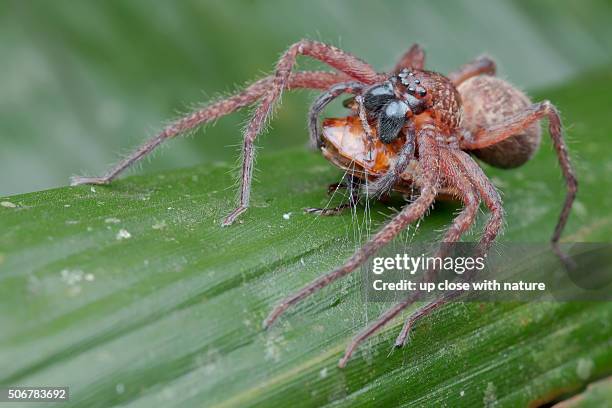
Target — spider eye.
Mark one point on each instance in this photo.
(391, 120)
(422, 92)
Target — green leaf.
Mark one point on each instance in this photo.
(132, 294)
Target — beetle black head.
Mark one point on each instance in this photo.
(393, 102)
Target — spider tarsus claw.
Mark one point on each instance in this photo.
(565, 259)
(342, 362)
(78, 180)
(272, 316)
(233, 216)
(401, 338)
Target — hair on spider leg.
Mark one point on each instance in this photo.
(234, 170)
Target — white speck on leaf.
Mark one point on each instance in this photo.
(462, 393)
(123, 234)
(287, 216)
(92, 189)
(8, 204)
(159, 225)
(490, 399)
(120, 388)
(584, 368)
(89, 277)
(67, 205)
(112, 220)
(72, 277)
(323, 373)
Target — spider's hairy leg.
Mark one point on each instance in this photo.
(472, 178)
(314, 128)
(454, 174)
(211, 112)
(332, 56)
(414, 58)
(378, 324)
(480, 66)
(419, 314)
(489, 194)
(515, 125)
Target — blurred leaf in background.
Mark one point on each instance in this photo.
(82, 82)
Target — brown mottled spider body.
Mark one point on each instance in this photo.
(408, 128)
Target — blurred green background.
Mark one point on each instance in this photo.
(83, 82)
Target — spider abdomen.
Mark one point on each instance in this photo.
(488, 101)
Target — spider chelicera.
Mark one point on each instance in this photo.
(409, 128)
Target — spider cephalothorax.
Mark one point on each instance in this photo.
(408, 129)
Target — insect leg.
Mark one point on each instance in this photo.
(314, 129)
(353, 185)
